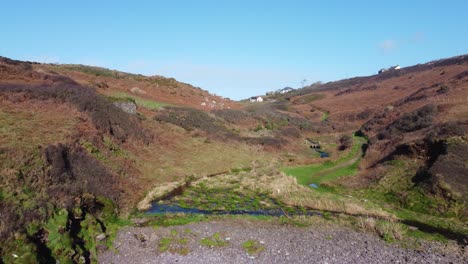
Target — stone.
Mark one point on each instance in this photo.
(137, 90)
(128, 107)
(101, 237)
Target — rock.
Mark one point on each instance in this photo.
(137, 90)
(102, 248)
(140, 221)
(128, 107)
(101, 237)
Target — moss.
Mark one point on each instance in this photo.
(59, 240)
(139, 101)
(306, 174)
(253, 247)
(175, 220)
(214, 241)
(175, 243)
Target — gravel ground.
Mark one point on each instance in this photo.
(281, 243)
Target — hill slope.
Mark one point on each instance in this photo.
(82, 147)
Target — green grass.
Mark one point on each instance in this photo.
(325, 116)
(214, 241)
(253, 247)
(305, 174)
(175, 243)
(59, 241)
(175, 220)
(150, 104)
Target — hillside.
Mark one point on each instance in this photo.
(415, 117)
(86, 151)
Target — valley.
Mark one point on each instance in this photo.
(99, 165)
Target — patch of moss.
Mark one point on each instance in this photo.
(253, 247)
(214, 241)
(175, 243)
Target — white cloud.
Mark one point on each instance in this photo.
(387, 45)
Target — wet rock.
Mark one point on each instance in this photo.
(101, 237)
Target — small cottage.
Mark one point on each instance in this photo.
(286, 90)
(256, 99)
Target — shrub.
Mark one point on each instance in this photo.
(364, 114)
(232, 115)
(443, 89)
(416, 120)
(266, 141)
(106, 117)
(190, 119)
(290, 131)
(346, 141)
(73, 172)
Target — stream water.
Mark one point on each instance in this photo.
(159, 209)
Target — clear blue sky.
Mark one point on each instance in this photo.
(236, 48)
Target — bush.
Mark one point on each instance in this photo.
(190, 119)
(231, 115)
(107, 117)
(290, 131)
(346, 141)
(73, 172)
(416, 120)
(266, 141)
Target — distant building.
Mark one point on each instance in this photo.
(256, 99)
(397, 67)
(286, 90)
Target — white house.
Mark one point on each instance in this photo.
(256, 99)
(397, 67)
(286, 90)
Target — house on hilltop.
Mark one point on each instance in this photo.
(256, 99)
(286, 90)
(393, 68)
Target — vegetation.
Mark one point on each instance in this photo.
(253, 247)
(318, 173)
(73, 165)
(149, 104)
(420, 118)
(346, 141)
(325, 116)
(214, 241)
(176, 242)
(105, 116)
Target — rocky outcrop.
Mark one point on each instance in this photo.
(127, 107)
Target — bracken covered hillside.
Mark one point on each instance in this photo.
(418, 113)
(82, 148)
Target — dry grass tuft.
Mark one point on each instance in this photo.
(157, 193)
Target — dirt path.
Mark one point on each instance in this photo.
(339, 166)
(276, 244)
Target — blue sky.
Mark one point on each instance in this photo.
(236, 48)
